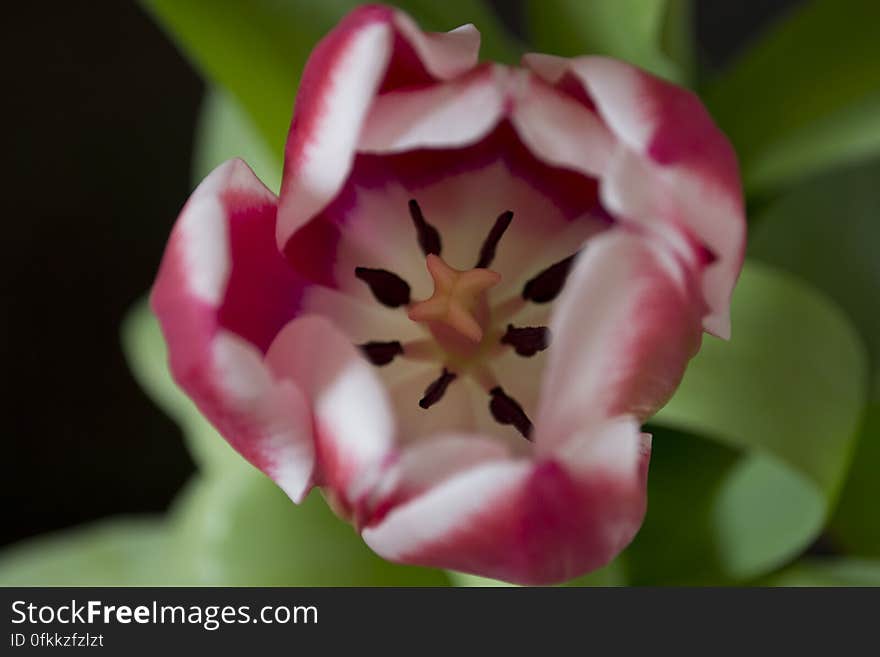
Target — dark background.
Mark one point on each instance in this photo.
(99, 115)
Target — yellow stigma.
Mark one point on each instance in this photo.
(457, 298)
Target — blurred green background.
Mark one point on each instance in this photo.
(764, 462)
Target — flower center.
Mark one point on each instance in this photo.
(457, 314)
(466, 330)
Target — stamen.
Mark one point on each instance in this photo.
(546, 285)
(381, 353)
(389, 289)
(435, 391)
(506, 410)
(528, 340)
(429, 237)
(487, 251)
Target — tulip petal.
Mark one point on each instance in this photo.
(374, 48)
(222, 293)
(444, 55)
(560, 130)
(627, 322)
(427, 464)
(530, 523)
(447, 115)
(680, 164)
(353, 424)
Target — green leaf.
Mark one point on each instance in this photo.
(653, 34)
(856, 523)
(235, 529)
(114, 552)
(147, 356)
(678, 542)
(806, 96)
(828, 572)
(782, 402)
(791, 382)
(256, 50)
(225, 131)
(826, 231)
(614, 574)
(240, 529)
(677, 40)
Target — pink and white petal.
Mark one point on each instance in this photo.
(428, 463)
(458, 525)
(274, 411)
(617, 447)
(550, 68)
(444, 55)
(560, 130)
(223, 291)
(686, 170)
(608, 465)
(200, 248)
(344, 74)
(353, 423)
(262, 291)
(523, 522)
(340, 80)
(450, 115)
(624, 328)
(635, 189)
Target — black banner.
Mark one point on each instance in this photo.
(149, 621)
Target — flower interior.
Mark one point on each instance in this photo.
(446, 281)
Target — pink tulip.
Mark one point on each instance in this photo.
(476, 283)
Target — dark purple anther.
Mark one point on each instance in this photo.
(381, 353)
(528, 340)
(437, 389)
(429, 237)
(507, 410)
(389, 289)
(487, 251)
(546, 286)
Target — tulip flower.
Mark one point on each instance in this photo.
(475, 285)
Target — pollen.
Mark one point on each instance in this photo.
(457, 299)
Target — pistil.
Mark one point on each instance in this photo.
(457, 313)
